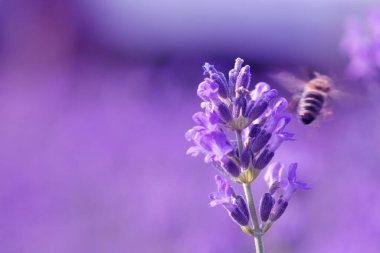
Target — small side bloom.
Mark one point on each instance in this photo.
(234, 204)
(213, 144)
(280, 189)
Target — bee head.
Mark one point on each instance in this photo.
(323, 88)
(322, 83)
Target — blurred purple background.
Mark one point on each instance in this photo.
(95, 98)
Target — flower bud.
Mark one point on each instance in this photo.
(233, 74)
(244, 78)
(266, 205)
(264, 158)
(224, 113)
(240, 212)
(220, 79)
(278, 209)
(260, 141)
(240, 104)
(254, 131)
(255, 111)
(217, 77)
(246, 158)
(231, 167)
(274, 187)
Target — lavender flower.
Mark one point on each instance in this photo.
(234, 204)
(274, 203)
(231, 106)
(208, 138)
(239, 131)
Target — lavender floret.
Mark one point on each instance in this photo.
(263, 160)
(224, 113)
(234, 204)
(254, 131)
(266, 204)
(282, 188)
(261, 105)
(244, 78)
(217, 77)
(240, 105)
(261, 140)
(231, 167)
(246, 158)
(278, 210)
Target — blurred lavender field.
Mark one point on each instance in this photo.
(95, 98)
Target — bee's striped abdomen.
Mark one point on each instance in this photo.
(310, 106)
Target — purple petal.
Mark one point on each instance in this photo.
(244, 77)
(194, 151)
(282, 122)
(278, 210)
(207, 90)
(231, 167)
(273, 173)
(239, 213)
(224, 112)
(292, 177)
(266, 205)
(280, 105)
(260, 88)
(263, 160)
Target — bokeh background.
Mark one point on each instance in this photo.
(95, 98)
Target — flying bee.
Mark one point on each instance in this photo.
(312, 97)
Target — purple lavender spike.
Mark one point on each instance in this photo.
(259, 131)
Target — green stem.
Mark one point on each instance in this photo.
(251, 205)
(239, 141)
(252, 211)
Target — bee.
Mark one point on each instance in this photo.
(312, 97)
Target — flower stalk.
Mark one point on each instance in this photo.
(252, 211)
(257, 118)
(257, 233)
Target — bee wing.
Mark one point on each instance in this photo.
(345, 98)
(289, 81)
(293, 102)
